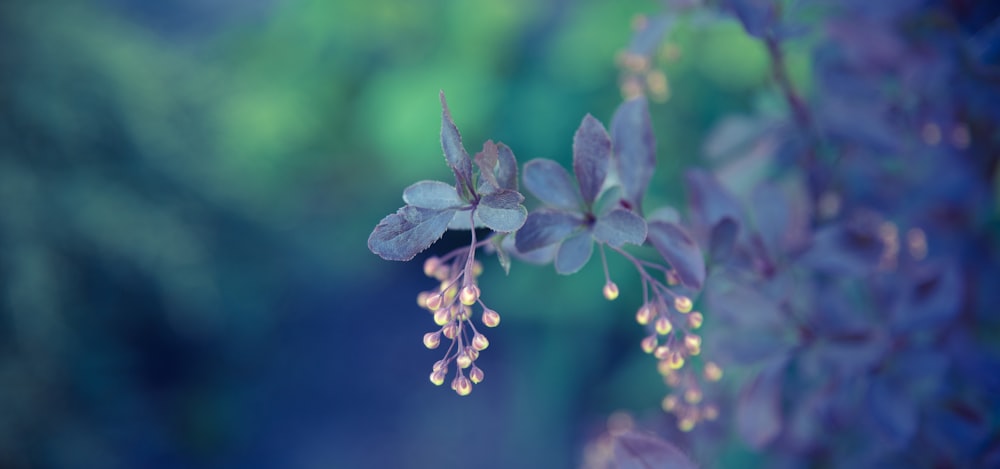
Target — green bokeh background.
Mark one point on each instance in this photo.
(186, 190)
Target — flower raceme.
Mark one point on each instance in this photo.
(600, 203)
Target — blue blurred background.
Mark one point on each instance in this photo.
(186, 189)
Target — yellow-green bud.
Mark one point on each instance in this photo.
(442, 316)
(683, 304)
(450, 330)
(649, 344)
(439, 365)
(676, 360)
(692, 341)
(480, 342)
(469, 295)
(491, 318)
(661, 352)
(437, 376)
(695, 320)
(669, 403)
(432, 340)
(713, 372)
(463, 360)
(431, 265)
(434, 302)
(476, 375)
(422, 299)
(644, 315)
(462, 386)
(692, 396)
(686, 424)
(477, 268)
(663, 326)
(610, 290)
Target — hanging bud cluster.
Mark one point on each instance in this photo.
(451, 305)
(674, 341)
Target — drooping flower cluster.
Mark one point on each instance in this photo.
(451, 305)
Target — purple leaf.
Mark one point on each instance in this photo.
(433, 195)
(710, 202)
(634, 148)
(896, 416)
(404, 234)
(551, 184)
(758, 411)
(461, 221)
(678, 248)
(545, 227)
(454, 152)
(620, 226)
(506, 172)
(502, 210)
(591, 153)
(635, 450)
(772, 212)
(487, 160)
(574, 252)
(497, 244)
(722, 238)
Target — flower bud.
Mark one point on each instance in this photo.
(672, 278)
(450, 293)
(431, 265)
(432, 340)
(692, 341)
(712, 371)
(669, 403)
(491, 318)
(469, 295)
(480, 342)
(683, 304)
(437, 376)
(661, 352)
(462, 386)
(649, 344)
(711, 412)
(692, 396)
(695, 320)
(462, 313)
(610, 290)
(663, 326)
(463, 360)
(450, 330)
(644, 315)
(442, 316)
(472, 353)
(439, 365)
(476, 375)
(422, 299)
(676, 360)
(686, 424)
(434, 302)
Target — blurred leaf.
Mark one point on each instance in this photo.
(635, 450)
(758, 411)
(634, 149)
(893, 411)
(506, 172)
(678, 248)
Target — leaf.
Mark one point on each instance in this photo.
(404, 234)
(930, 298)
(634, 148)
(461, 220)
(506, 173)
(720, 244)
(758, 410)
(454, 152)
(757, 16)
(678, 248)
(487, 161)
(502, 210)
(574, 253)
(710, 202)
(609, 200)
(620, 226)
(432, 194)
(545, 227)
(551, 184)
(591, 153)
(502, 256)
(896, 417)
(634, 450)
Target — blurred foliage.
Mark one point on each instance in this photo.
(185, 190)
